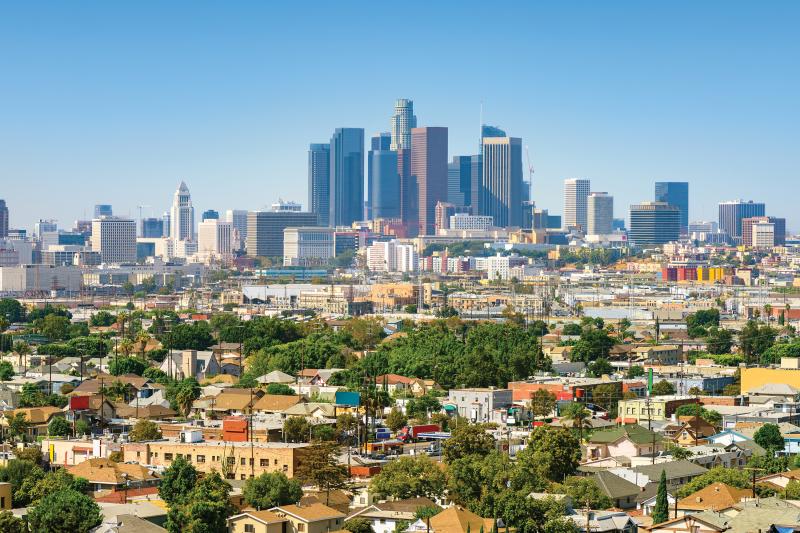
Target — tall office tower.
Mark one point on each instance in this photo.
(599, 213)
(383, 179)
(265, 230)
(429, 171)
(501, 181)
(460, 178)
(347, 177)
(103, 210)
(215, 239)
(732, 213)
(209, 214)
(403, 121)
(675, 193)
(166, 222)
(115, 239)
(182, 215)
(44, 226)
(3, 219)
(152, 228)
(238, 218)
(576, 194)
(409, 210)
(778, 224)
(654, 223)
(491, 131)
(319, 181)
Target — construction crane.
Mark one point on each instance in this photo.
(140, 210)
(530, 167)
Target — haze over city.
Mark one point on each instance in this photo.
(116, 103)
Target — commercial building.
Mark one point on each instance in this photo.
(235, 460)
(500, 193)
(215, 239)
(465, 221)
(576, 196)
(429, 172)
(115, 239)
(477, 404)
(3, 219)
(599, 213)
(732, 213)
(383, 180)
(675, 193)
(464, 180)
(654, 408)
(346, 190)
(152, 228)
(654, 223)
(776, 227)
(182, 215)
(308, 246)
(39, 278)
(391, 256)
(209, 214)
(319, 180)
(103, 210)
(265, 230)
(403, 121)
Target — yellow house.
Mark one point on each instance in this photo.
(314, 518)
(5, 496)
(256, 522)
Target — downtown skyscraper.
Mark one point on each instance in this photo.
(346, 190)
(3, 219)
(319, 181)
(429, 173)
(732, 213)
(675, 193)
(500, 194)
(403, 121)
(181, 215)
(576, 195)
(383, 179)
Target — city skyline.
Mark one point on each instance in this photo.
(716, 110)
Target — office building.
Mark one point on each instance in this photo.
(238, 219)
(391, 256)
(778, 230)
(215, 239)
(675, 193)
(444, 210)
(308, 246)
(762, 234)
(3, 219)
(166, 222)
(40, 278)
(44, 226)
(599, 213)
(282, 206)
(152, 228)
(383, 179)
(265, 230)
(654, 223)
(115, 239)
(182, 215)
(464, 179)
(429, 172)
(103, 210)
(319, 178)
(465, 221)
(491, 131)
(403, 121)
(576, 196)
(732, 213)
(209, 214)
(346, 191)
(500, 194)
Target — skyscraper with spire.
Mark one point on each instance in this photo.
(403, 121)
(182, 215)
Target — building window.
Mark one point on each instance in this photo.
(264, 462)
(168, 457)
(201, 458)
(242, 476)
(249, 528)
(301, 527)
(242, 461)
(230, 475)
(231, 461)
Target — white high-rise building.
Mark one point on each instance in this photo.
(182, 215)
(391, 256)
(307, 246)
(763, 235)
(115, 239)
(403, 121)
(599, 213)
(215, 239)
(576, 194)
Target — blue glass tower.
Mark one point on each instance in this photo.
(675, 193)
(347, 176)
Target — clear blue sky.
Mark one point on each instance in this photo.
(116, 102)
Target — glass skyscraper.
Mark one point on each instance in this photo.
(732, 213)
(319, 177)
(403, 121)
(654, 223)
(346, 190)
(383, 179)
(501, 181)
(675, 193)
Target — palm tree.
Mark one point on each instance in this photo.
(23, 349)
(578, 415)
(125, 346)
(122, 316)
(142, 338)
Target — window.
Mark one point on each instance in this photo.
(285, 468)
(242, 476)
(231, 461)
(264, 462)
(201, 459)
(188, 457)
(301, 526)
(243, 461)
(251, 461)
(275, 463)
(249, 528)
(230, 475)
(168, 457)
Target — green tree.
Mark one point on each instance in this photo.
(593, 344)
(281, 389)
(145, 430)
(769, 437)
(571, 329)
(578, 415)
(477, 481)
(177, 482)
(6, 371)
(792, 490)
(35, 488)
(18, 426)
(82, 427)
(126, 365)
(755, 339)
(661, 510)
(11, 524)
(358, 525)
(421, 408)
(102, 319)
(182, 394)
(635, 371)
(410, 477)
(663, 388)
(53, 327)
(59, 427)
(321, 468)
(17, 472)
(542, 403)
(467, 439)
(396, 420)
(599, 367)
(271, 489)
(12, 310)
(552, 453)
(65, 511)
(296, 429)
(205, 509)
(719, 341)
(585, 489)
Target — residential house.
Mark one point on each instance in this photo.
(384, 517)
(146, 412)
(678, 473)
(317, 376)
(629, 440)
(257, 522)
(688, 524)
(229, 402)
(396, 384)
(717, 497)
(71, 452)
(191, 363)
(38, 419)
(655, 408)
(276, 376)
(621, 491)
(456, 519)
(104, 474)
(312, 410)
(667, 354)
(276, 403)
(781, 479)
(604, 522)
(693, 431)
(315, 518)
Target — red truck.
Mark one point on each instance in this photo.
(410, 433)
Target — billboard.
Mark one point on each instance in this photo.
(351, 399)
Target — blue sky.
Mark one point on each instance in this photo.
(116, 102)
